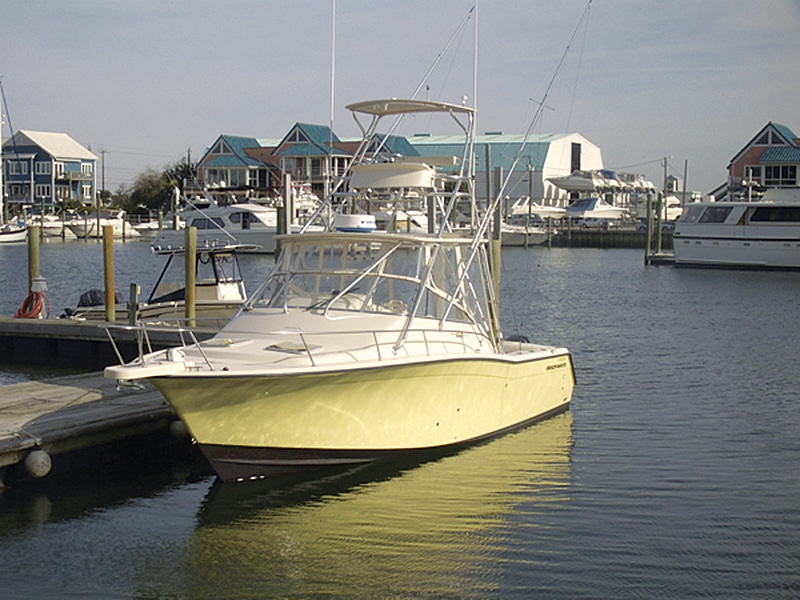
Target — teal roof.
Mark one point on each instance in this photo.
(504, 149)
(306, 149)
(239, 158)
(229, 160)
(396, 144)
(319, 139)
(777, 154)
(318, 134)
(786, 133)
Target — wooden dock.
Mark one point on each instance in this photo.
(69, 343)
(43, 419)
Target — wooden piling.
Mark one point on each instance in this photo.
(108, 269)
(190, 256)
(33, 254)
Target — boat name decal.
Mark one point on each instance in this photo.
(561, 365)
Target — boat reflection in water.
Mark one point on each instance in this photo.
(385, 530)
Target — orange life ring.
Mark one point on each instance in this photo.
(33, 307)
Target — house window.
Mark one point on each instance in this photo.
(86, 168)
(316, 167)
(221, 148)
(87, 191)
(42, 190)
(297, 136)
(237, 177)
(780, 175)
(59, 169)
(42, 167)
(17, 167)
(753, 173)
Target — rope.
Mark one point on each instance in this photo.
(34, 306)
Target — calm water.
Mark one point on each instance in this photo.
(676, 474)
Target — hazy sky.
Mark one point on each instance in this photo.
(146, 81)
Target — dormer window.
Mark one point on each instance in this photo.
(221, 148)
(297, 136)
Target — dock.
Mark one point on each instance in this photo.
(72, 344)
(40, 420)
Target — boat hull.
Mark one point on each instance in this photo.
(732, 253)
(10, 236)
(259, 426)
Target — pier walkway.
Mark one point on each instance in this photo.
(41, 419)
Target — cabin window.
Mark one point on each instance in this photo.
(243, 218)
(716, 214)
(204, 223)
(776, 214)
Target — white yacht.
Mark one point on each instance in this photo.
(763, 234)
(87, 226)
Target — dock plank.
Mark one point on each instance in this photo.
(75, 411)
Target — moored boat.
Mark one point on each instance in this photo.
(363, 344)
(92, 226)
(219, 290)
(763, 234)
(10, 233)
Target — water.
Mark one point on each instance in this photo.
(674, 475)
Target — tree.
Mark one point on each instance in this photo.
(152, 189)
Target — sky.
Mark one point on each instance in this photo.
(144, 84)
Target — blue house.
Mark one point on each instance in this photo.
(44, 169)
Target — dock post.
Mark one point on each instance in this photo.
(33, 254)
(190, 236)
(133, 304)
(108, 270)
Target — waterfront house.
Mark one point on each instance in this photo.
(238, 168)
(311, 154)
(245, 167)
(771, 159)
(44, 169)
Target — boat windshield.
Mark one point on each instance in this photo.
(377, 274)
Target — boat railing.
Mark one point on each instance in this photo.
(381, 344)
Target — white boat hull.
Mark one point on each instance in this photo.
(252, 426)
(743, 253)
(13, 234)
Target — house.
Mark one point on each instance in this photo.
(312, 154)
(243, 167)
(771, 159)
(239, 168)
(44, 169)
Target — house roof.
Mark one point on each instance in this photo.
(777, 154)
(307, 149)
(504, 148)
(58, 145)
(787, 134)
(318, 141)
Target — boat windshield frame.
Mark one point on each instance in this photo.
(416, 276)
